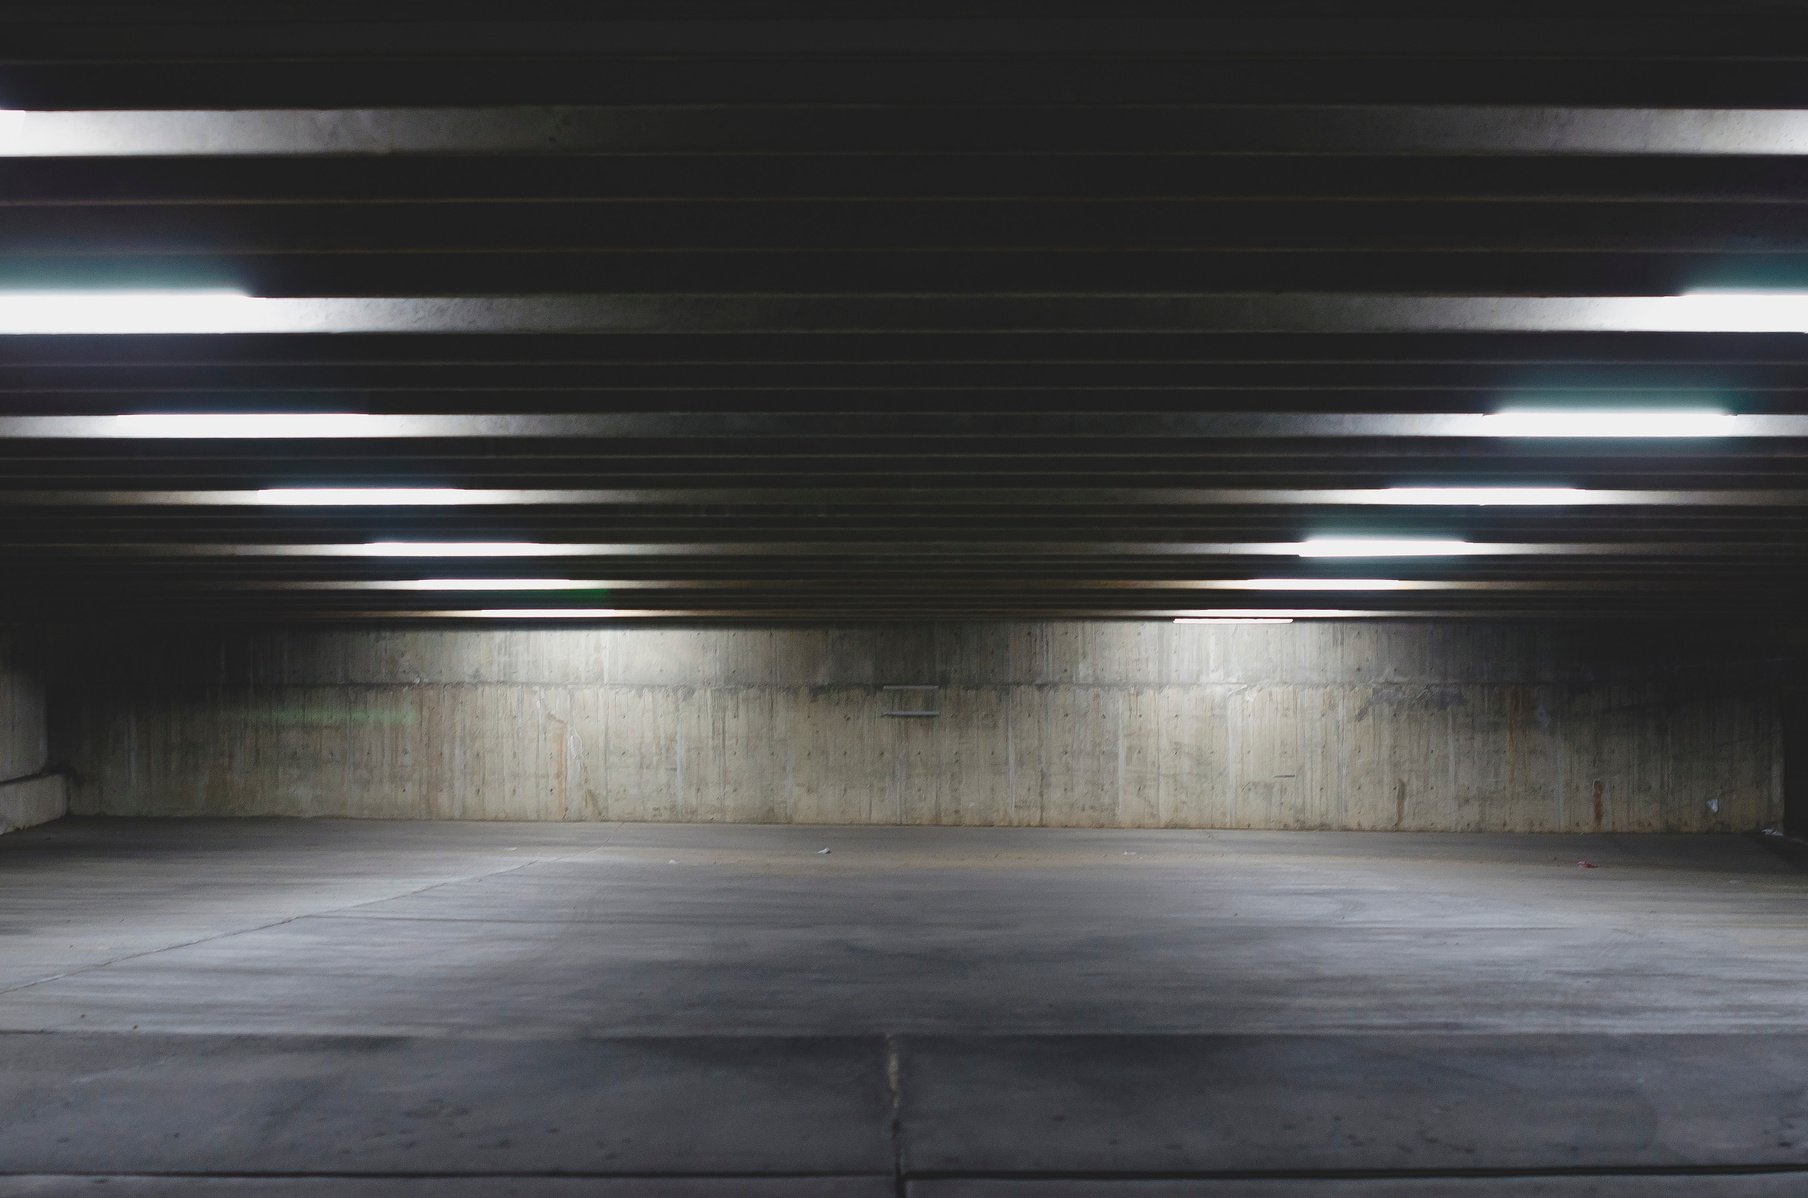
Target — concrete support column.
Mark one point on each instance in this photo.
(1795, 761)
(30, 792)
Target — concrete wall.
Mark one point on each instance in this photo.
(28, 795)
(1116, 724)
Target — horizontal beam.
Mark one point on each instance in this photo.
(246, 364)
(1083, 75)
(865, 129)
(961, 550)
(972, 586)
(129, 183)
(983, 497)
(1300, 312)
(1107, 274)
(544, 615)
(965, 233)
(337, 31)
(814, 426)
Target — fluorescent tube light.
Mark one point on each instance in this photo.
(1234, 620)
(115, 312)
(538, 613)
(1743, 311)
(495, 584)
(1262, 615)
(1479, 496)
(253, 425)
(1317, 584)
(1674, 422)
(369, 496)
(458, 549)
(1386, 547)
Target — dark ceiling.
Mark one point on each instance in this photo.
(1005, 309)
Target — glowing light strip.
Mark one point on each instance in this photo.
(1477, 496)
(374, 496)
(1234, 620)
(1539, 422)
(492, 584)
(246, 425)
(122, 312)
(538, 613)
(1410, 496)
(1388, 547)
(1266, 615)
(461, 549)
(1631, 426)
(1321, 584)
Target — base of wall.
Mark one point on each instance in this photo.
(30, 801)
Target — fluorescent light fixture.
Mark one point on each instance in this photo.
(1386, 547)
(1261, 615)
(1234, 620)
(1742, 311)
(249, 425)
(1554, 422)
(1317, 584)
(496, 584)
(369, 496)
(539, 613)
(457, 549)
(1479, 496)
(113, 312)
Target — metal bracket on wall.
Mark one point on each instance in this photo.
(924, 696)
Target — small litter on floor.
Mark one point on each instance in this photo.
(1586, 865)
(821, 852)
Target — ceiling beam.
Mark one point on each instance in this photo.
(101, 313)
(1079, 495)
(1232, 129)
(422, 549)
(301, 427)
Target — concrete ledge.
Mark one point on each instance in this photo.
(1646, 1185)
(488, 1186)
(1641, 1185)
(35, 800)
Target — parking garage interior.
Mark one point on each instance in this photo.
(922, 600)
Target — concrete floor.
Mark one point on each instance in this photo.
(369, 1009)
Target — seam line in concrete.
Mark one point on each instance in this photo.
(277, 923)
(895, 1093)
(36, 776)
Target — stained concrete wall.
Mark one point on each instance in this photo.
(28, 794)
(1351, 725)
